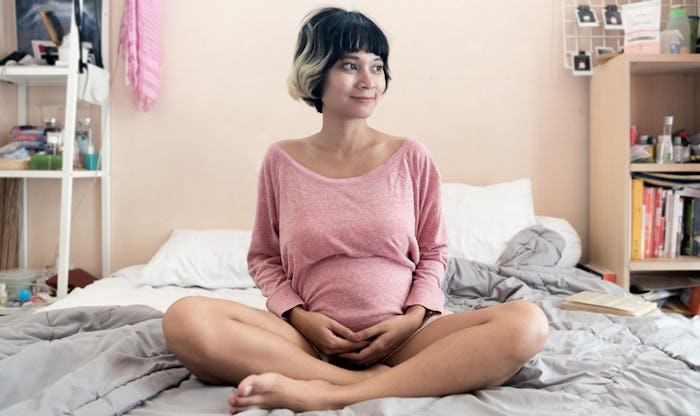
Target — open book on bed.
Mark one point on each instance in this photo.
(607, 303)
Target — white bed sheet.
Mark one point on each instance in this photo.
(125, 288)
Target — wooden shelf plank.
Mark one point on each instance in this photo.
(48, 174)
(665, 167)
(666, 264)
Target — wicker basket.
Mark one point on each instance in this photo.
(13, 164)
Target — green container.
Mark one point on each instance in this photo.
(46, 162)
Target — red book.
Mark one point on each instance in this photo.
(648, 223)
(658, 235)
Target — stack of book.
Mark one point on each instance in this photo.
(665, 215)
(666, 224)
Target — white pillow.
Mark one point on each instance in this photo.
(572, 250)
(210, 259)
(481, 220)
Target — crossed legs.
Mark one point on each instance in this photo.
(224, 342)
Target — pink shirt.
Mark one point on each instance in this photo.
(359, 250)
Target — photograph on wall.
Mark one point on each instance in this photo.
(585, 16)
(31, 28)
(581, 63)
(613, 18)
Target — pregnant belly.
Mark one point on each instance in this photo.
(356, 292)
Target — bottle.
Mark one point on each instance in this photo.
(678, 20)
(50, 124)
(677, 150)
(52, 143)
(668, 126)
(83, 139)
(664, 146)
(90, 158)
(652, 149)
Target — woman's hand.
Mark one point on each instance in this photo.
(385, 336)
(324, 333)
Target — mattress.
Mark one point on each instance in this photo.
(100, 350)
(125, 287)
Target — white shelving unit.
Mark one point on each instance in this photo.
(25, 77)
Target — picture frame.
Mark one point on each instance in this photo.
(582, 63)
(603, 50)
(585, 16)
(45, 52)
(612, 18)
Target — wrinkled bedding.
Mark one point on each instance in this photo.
(592, 363)
(84, 361)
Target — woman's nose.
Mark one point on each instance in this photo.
(366, 80)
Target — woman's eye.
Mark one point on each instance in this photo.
(349, 66)
(378, 68)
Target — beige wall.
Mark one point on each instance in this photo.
(481, 85)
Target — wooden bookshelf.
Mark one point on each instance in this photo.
(634, 90)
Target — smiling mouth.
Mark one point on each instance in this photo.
(364, 99)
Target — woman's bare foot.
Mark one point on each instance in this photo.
(275, 391)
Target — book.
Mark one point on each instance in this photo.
(637, 212)
(690, 226)
(649, 206)
(658, 226)
(607, 303)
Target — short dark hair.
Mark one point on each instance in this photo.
(325, 36)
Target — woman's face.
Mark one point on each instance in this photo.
(353, 85)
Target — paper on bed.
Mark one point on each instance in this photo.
(606, 303)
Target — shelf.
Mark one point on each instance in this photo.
(662, 64)
(49, 174)
(665, 167)
(34, 74)
(666, 264)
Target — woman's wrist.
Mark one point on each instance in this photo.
(294, 313)
(417, 313)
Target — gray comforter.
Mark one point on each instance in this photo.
(113, 360)
(84, 361)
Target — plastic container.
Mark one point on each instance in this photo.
(677, 20)
(17, 280)
(90, 159)
(46, 162)
(693, 20)
(664, 145)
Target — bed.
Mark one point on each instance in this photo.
(100, 350)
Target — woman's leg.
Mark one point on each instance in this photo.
(455, 354)
(222, 342)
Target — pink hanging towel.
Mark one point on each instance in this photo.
(140, 39)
